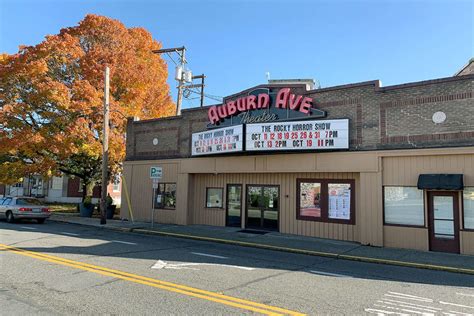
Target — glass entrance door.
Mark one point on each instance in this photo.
(443, 221)
(234, 205)
(262, 207)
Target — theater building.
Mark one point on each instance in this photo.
(384, 166)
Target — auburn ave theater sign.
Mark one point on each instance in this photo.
(262, 105)
(269, 119)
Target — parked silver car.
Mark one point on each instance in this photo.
(12, 208)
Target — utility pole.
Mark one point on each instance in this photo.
(202, 87)
(105, 150)
(181, 83)
(181, 51)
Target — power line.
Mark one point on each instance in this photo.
(209, 96)
(169, 55)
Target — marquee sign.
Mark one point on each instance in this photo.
(298, 135)
(263, 105)
(218, 141)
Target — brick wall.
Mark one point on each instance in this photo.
(393, 117)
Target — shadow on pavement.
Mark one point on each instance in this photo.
(175, 251)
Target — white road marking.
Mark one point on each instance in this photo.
(70, 234)
(160, 264)
(123, 242)
(465, 294)
(27, 227)
(432, 310)
(405, 310)
(382, 312)
(447, 303)
(208, 255)
(409, 298)
(408, 303)
(413, 296)
(459, 313)
(330, 274)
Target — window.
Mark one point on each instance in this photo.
(468, 198)
(116, 184)
(404, 206)
(214, 197)
(28, 201)
(326, 200)
(165, 196)
(81, 183)
(18, 185)
(57, 183)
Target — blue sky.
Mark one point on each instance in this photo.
(236, 42)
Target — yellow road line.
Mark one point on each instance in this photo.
(173, 287)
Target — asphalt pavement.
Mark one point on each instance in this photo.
(64, 269)
(322, 247)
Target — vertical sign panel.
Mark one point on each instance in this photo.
(298, 135)
(156, 172)
(218, 141)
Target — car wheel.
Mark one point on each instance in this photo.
(10, 218)
(40, 220)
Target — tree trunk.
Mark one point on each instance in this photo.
(87, 188)
(90, 188)
(84, 190)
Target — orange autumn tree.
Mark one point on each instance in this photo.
(51, 99)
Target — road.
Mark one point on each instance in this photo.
(64, 269)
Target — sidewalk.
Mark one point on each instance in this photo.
(289, 243)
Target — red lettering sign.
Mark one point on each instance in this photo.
(284, 99)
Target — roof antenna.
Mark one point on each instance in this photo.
(267, 74)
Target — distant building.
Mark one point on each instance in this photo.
(62, 189)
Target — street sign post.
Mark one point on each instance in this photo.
(156, 173)
(154, 186)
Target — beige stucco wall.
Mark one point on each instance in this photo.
(402, 169)
(371, 171)
(406, 237)
(139, 186)
(467, 242)
(287, 212)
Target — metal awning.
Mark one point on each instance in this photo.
(440, 182)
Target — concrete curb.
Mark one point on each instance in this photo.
(286, 249)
